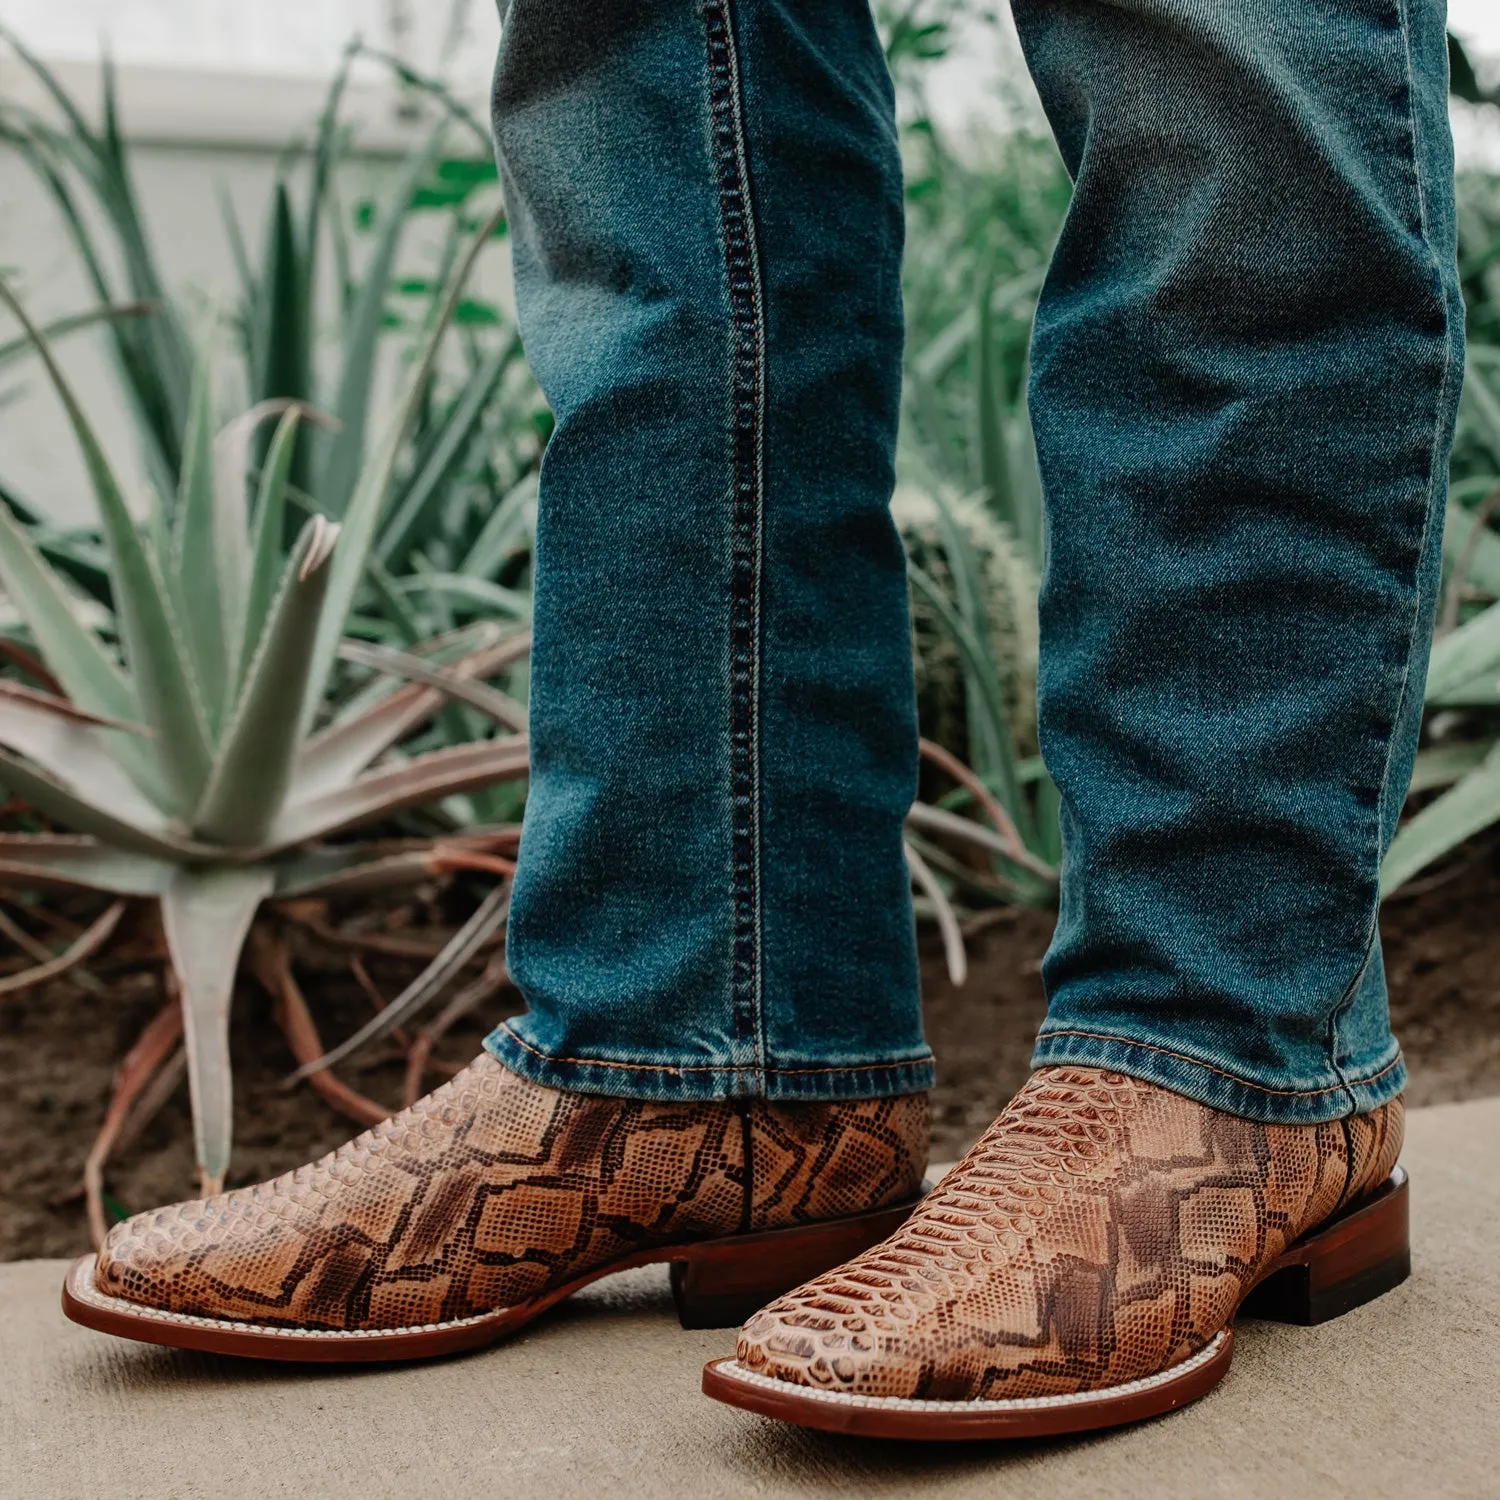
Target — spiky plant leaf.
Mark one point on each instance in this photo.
(490, 702)
(457, 434)
(233, 566)
(1007, 785)
(195, 556)
(253, 767)
(348, 746)
(206, 915)
(71, 650)
(1464, 655)
(363, 513)
(154, 649)
(79, 811)
(71, 748)
(270, 528)
(1468, 807)
(391, 789)
(1442, 765)
(70, 862)
(345, 452)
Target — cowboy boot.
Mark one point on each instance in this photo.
(465, 1216)
(1083, 1266)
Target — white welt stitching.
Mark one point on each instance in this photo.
(737, 1372)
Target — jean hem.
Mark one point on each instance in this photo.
(695, 1080)
(1351, 1092)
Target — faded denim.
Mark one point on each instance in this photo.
(1245, 370)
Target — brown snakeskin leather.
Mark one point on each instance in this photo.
(492, 1191)
(1103, 1229)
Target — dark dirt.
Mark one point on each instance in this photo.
(59, 1047)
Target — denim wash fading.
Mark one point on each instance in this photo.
(1245, 370)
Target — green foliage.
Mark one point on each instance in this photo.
(479, 423)
(207, 746)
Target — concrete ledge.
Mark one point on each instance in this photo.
(1398, 1399)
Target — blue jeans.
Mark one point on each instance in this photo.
(1246, 365)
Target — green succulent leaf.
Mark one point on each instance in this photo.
(169, 697)
(362, 517)
(233, 566)
(361, 335)
(74, 653)
(1466, 660)
(253, 768)
(490, 702)
(72, 749)
(270, 528)
(207, 915)
(391, 789)
(68, 862)
(457, 434)
(81, 813)
(1468, 807)
(340, 752)
(195, 555)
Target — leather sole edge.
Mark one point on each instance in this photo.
(1021, 1417)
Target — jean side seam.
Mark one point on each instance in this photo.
(747, 321)
(1424, 230)
(1343, 1086)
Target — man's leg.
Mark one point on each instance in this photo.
(722, 1064)
(705, 204)
(1246, 365)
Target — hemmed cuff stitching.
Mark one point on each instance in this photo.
(708, 1081)
(1220, 1089)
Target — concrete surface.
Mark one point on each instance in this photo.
(1398, 1399)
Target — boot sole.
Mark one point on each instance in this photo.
(1352, 1260)
(715, 1284)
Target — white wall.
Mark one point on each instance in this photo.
(199, 138)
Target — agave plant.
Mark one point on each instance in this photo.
(1458, 767)
(479, 425)
(208, 762)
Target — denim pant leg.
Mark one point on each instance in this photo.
(1246, 367)
(706, 212)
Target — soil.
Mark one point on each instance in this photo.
(59, 1047)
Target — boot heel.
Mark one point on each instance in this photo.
(1349, 1262)
(720, 1283)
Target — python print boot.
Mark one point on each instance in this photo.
(1081, 1267)
(475, 1210)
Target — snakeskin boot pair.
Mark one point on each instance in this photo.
(1082, 1266)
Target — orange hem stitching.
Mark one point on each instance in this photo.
(599, 1062)
(1260, 1088)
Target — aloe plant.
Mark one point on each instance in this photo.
(1458, 768)
(206, 763)
(480, 422)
